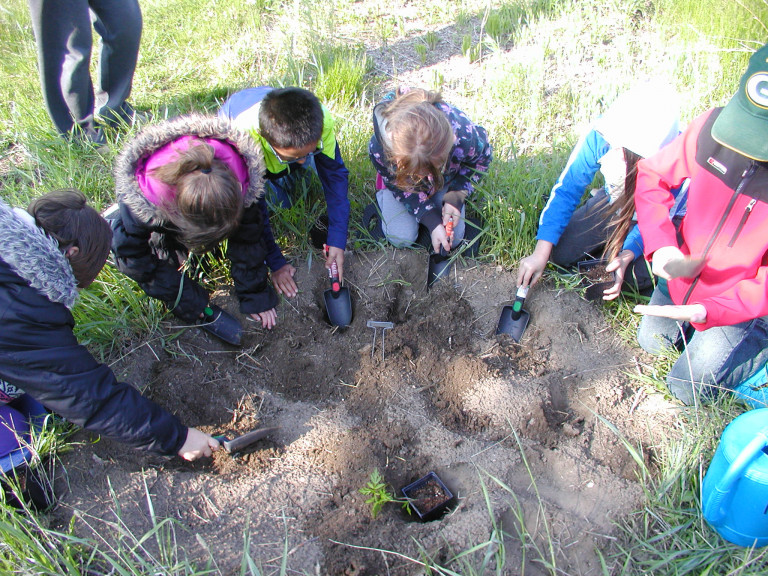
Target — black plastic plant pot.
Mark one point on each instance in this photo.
(428, 496)
(597, 278)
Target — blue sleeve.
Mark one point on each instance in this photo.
(634, 242)
(334, 177)
(275, 259)
(570, 187)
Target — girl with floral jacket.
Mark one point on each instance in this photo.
(429, 157)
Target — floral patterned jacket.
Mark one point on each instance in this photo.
(468, 162)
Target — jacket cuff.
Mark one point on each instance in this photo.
(455, 198)
(431, 219)
(261, 302)
(190, 306)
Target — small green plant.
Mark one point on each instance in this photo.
(421, 51)
(379, 494)
(472, 51)
(431, 39)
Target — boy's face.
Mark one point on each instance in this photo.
(300, 155)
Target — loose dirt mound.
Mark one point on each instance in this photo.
(516, 431)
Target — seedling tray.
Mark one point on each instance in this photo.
(428, 496)
(598, 280)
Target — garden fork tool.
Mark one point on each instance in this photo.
(384, 327)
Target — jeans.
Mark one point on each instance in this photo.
(278, 192)
(719, 358)
(65, 41)
(401, 227)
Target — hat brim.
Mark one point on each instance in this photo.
(737, 129)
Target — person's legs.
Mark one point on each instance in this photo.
(34, 487)
(14, 432)
(585, 234)
(719, 358)
(64, 40)
(276, 193)
(119, 24)
(655, 333)
(399, 226)
(280, 193)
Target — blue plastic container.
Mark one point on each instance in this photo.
(735, 487)
(754, 390)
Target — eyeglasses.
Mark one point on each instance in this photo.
(290, 160)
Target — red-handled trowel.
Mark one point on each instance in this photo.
(240, 443)
(338, 303)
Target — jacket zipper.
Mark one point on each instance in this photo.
(745, 177)
(747, 212)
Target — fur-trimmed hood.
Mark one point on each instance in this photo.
(156, 136)
(36, 257)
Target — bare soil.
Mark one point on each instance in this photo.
(520, 433)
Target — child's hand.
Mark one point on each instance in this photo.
(532, 267)
(268, 319)
(440, 239)
(450, 212)
(618, 265)
(337, 254)
(198, 445)
(683, 313)
(283, 281)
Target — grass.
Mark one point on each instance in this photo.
(194, 54)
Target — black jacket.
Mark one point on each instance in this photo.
(145, 243)
(40, 354)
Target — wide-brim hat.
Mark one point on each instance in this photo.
(642, 119)
(743, 123)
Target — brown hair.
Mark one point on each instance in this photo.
(421, 138)
(208, 204)
(621, 212)
(66, 217)
(291, 118)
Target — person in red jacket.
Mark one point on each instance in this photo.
(711, 300)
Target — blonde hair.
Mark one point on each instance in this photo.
(421, 138)
(208, 204)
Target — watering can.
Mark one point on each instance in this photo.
(754, 390)
(735, 487)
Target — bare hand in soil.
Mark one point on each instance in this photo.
(618, 265)
(688, 313)
(198, 445)
(532, 267)
(283, 281)
(268, 319)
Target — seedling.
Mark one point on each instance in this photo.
(379, 494)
